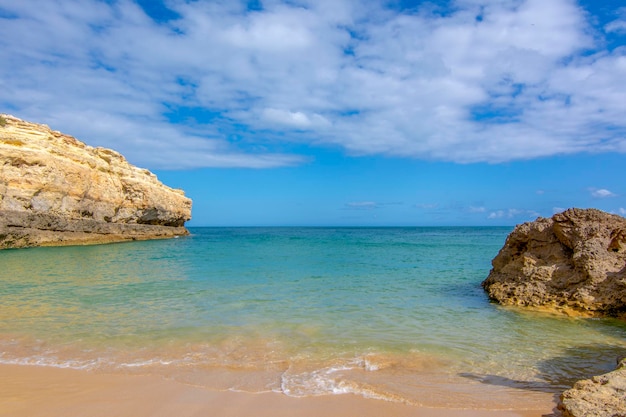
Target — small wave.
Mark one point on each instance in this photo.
(146, 363)
(52, 362)
(335, 380)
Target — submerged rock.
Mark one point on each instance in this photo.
(55, 190)
(600, 396)
(574, 262)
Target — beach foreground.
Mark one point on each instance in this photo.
(394, 320)
(44, 391)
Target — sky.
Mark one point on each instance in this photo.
(337, 112)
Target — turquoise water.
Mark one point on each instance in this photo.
(390, 313)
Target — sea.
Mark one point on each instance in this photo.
(395, 314)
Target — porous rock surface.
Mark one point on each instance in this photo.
(55, 190)
(600, 396)
(574, 262)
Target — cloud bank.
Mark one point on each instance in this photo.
(219, 84)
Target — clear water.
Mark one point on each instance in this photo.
(389, 313)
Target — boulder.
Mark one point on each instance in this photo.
(600, 396)
(56, 190)
(574, 262)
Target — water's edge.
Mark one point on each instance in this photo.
(387, 313)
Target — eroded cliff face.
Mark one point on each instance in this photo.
(56, 190)
(574, 262)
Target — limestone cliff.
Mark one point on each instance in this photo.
(55, 190)
(572, 262)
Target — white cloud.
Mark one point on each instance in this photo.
(622, 211)
(601, 193)
(273, 32)
(497, 214)
(296, 119)
(556, 210)
(513, 213)
(617, 26)
(293, 119)
(225, 86)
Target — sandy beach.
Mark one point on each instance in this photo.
(333, 322)
(32, 391)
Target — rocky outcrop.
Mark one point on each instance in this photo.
(574, 262)
(55, 190)
(600, 396)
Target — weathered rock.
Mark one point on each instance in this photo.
(600, 396)
(55, 190)
(574, 262)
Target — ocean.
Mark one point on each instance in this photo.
(395, 314)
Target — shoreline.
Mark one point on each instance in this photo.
(32, 391)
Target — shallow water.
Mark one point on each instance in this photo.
(390, 313)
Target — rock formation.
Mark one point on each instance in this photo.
(600, 396)
(55, 190)
(574, 262)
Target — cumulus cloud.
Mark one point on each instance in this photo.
(218, 84)
(601, 193)
(622, 211)
(293, 119)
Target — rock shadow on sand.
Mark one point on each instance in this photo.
(561, 372)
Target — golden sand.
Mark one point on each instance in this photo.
(34, 391)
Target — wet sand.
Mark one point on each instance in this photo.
(34, 391)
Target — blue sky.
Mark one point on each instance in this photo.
(337, 112)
